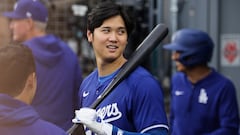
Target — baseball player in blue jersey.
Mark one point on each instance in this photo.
(203, 101)
(136, 105)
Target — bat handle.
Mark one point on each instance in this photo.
(76, 129)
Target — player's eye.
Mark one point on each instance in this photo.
(105, 30)
(121, 31)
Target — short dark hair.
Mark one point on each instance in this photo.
(105, 10)
(17, 63)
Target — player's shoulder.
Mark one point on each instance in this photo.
(142, 83)
(141, 71)
(178, 76)
(141, 76)
(220, 78)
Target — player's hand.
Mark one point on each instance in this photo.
(89, 118)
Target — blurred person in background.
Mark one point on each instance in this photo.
(5, 33)
(203, 102)
(57, 67)
(17, 89)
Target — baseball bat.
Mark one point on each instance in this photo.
(153, 39)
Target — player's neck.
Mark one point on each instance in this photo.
(198, 73)
(35, 33)
(105, 68)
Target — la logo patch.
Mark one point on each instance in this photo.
(203, 98)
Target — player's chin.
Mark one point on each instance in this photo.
(180, 67)
(110, 59)
(17, 39)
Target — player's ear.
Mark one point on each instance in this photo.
(30, 23)
(29, 90)
(89, 36)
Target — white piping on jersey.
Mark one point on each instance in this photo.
(154, 126)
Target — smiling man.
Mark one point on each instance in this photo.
(135, 106)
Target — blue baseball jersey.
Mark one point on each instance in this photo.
(135, 105)
(207, 107)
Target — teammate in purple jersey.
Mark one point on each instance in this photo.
(203, 101)
(18, 82)
(57, 67)
(136, 105)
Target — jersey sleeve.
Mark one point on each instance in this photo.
(228, 111)
(147, 105)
